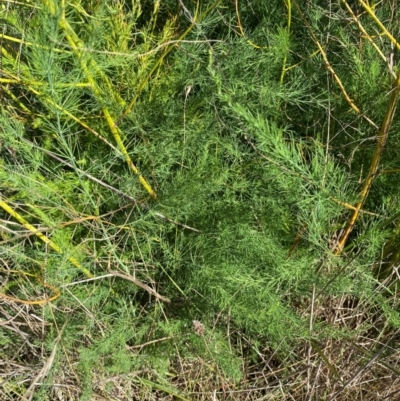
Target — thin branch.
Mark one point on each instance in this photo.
(376, 157)
(330, 69)
(141, 285)
(361, 28)
(84, 173)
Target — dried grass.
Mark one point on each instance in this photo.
(364, 366)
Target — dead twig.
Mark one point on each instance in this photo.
(141, 285)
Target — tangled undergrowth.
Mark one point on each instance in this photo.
(199, 200)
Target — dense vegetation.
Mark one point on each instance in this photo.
(199, 200)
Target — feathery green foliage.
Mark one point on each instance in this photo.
(204, 153)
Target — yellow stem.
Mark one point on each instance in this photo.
(160, 60)
(381, 140)
(289, 8)
(79, 44)
(47, 241)
(371, 12)
(76, 45)
(381, 55)
(330, 69)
